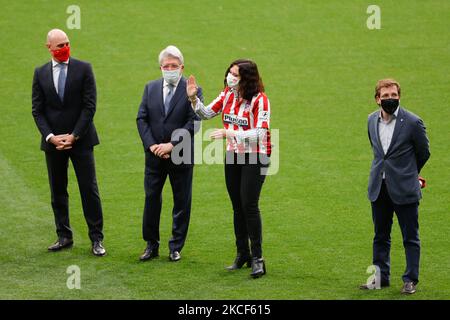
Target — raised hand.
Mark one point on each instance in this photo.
(191, 87)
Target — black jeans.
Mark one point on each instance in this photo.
(244, 183)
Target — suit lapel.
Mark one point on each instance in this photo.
(51, 83)
(400, 121)
(160, 89)
(181, 89)
(377, 133)
(68, 78)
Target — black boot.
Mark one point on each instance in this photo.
(240, 260)
(258, 267)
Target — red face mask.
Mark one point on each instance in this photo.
(62, 54)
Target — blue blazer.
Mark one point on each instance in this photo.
(405, 157)
(154, 126)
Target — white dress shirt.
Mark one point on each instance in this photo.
(386, 131)
(166, 89)
(56, 70)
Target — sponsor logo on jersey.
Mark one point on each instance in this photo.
(263, 115)
(234, 119)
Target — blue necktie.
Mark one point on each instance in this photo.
(61, 80)
(168, 98)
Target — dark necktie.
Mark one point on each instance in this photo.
(61, 80)
(169, 96)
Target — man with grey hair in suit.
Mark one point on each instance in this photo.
(164, 113)
(401, 148)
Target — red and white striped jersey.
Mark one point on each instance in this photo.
(249, 120)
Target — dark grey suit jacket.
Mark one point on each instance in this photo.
(406, 155)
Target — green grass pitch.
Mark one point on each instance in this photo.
(319, 62)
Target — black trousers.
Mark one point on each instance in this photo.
(84, 166)
(244, 182)
(408, 217)
(180, 176)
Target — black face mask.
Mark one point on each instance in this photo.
(389, 105)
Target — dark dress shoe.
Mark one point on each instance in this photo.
(149, 253)
(409, 288)
(61, 244)
(366, 286)
(98, 249)
(174, 256)
(240, 260)
(258, 268)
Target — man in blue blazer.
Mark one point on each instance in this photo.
(400, 148)
(165, 119)
(63, 106)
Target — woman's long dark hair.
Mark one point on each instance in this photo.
(250, 83)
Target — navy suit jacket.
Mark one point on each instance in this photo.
(405, 157)
(72, 115)
(154, 125)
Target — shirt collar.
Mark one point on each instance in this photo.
(166, 84)
(394, 115)
(55, 63)
(396, 111)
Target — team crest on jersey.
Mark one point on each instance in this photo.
(234, 119)
(263, 115)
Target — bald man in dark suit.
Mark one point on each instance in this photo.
(63, 107)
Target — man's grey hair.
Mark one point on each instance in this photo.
(171, 52)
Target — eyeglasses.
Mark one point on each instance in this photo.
(170, 66)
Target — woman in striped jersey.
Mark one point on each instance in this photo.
(245, 111)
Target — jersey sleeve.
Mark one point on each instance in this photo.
(212, 109)
(261, 112)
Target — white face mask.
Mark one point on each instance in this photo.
(232, 81)
(171, 76)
